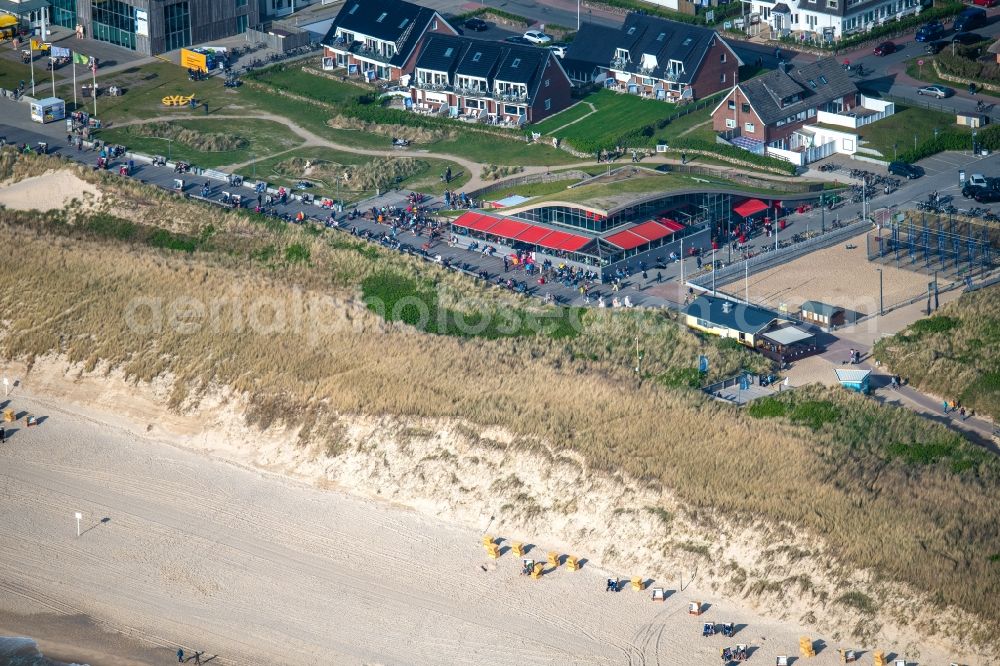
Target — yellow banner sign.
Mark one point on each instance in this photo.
(193, 60)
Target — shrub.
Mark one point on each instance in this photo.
(681, 378)
(814, 413)
(767, 408)
(858, 601)
(724, 152)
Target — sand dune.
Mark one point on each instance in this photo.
(52, 190)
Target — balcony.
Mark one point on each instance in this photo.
(363, 51)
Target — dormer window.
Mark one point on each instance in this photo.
(382, 17)
(622, 54)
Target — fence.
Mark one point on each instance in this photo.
(939, 105)
(289, 38)
(779, 256)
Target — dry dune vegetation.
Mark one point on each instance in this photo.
(955, 353)
(216, 299)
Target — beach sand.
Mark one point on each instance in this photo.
(52, 190)
(181, 549)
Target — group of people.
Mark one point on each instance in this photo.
(459, 200)
(953, 406)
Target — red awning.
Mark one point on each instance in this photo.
(533, 235)
(465, 219)
(484, 223)
(652, 230)
(750, 207)
(560, 240)
(508, 228)
(671, 224)
(626, 240)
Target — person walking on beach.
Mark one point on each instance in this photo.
(197, 658)
(180, 656)
(945, 406)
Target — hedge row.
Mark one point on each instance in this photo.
(727, 152)
(966, 66)
(952, 140)
(941, 11)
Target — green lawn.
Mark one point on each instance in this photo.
(906, 128)
(616, 113)
(262, 137)
(578, 110)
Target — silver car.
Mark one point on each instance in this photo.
(936, 91)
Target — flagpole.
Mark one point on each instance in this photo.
(93, 69)
(51, 62)
(31, 62)
(73, 60)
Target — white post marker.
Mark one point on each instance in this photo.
(6, 386)
(79, 517)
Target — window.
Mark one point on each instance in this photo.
(381, 17)
(548, 104)
(722, 57)
(241, 3)
(448, 51)
(730, 123)
(631, 30)
(511, 110)
(477, 56)
(722, 78)
(517, 61)
(63, 13)
(822, 79)
(434, 24)
(812, 83)
(661, 36)
(114, 22)
(831, 4)
(547, 81)
(686, 42)
(749, 127)
(241, 24)
(746, 108)
(403, 23)
(732, 104)
(353, 9)
(621, 54)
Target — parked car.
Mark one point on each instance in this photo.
(986, 3)
(905, 170)
(477, 24)
(936, 91)
(885, 48)
(559, 50)
(986, 195)
(517, 39)
(967, 38)
(930, 32)
(978, 180)
(537, 37)
(933, 48)
(970, 19)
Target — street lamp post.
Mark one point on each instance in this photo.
(253, 165)
(973, 142)
(881, 308)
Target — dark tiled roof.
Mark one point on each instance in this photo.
(441, 53)
(364, 16)
(520, 64)
(818, 83)
(593, 46)
(480, 59)
(666, 40)
(397, 21)
(781, 8)
(739, 317)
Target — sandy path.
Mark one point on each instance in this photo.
(263, 570)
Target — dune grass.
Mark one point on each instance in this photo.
(955, 353)
(277, 313)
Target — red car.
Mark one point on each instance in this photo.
(986, 3)
(885, 48)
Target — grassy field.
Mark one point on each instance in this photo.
(254, 137)
(900, 129)
(615, 112)
(280, 170)
(955, 354)
(564, 117)
(859, 478)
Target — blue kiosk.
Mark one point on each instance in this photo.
(854, 380)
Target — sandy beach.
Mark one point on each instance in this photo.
(181, 549)
(52, 190)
